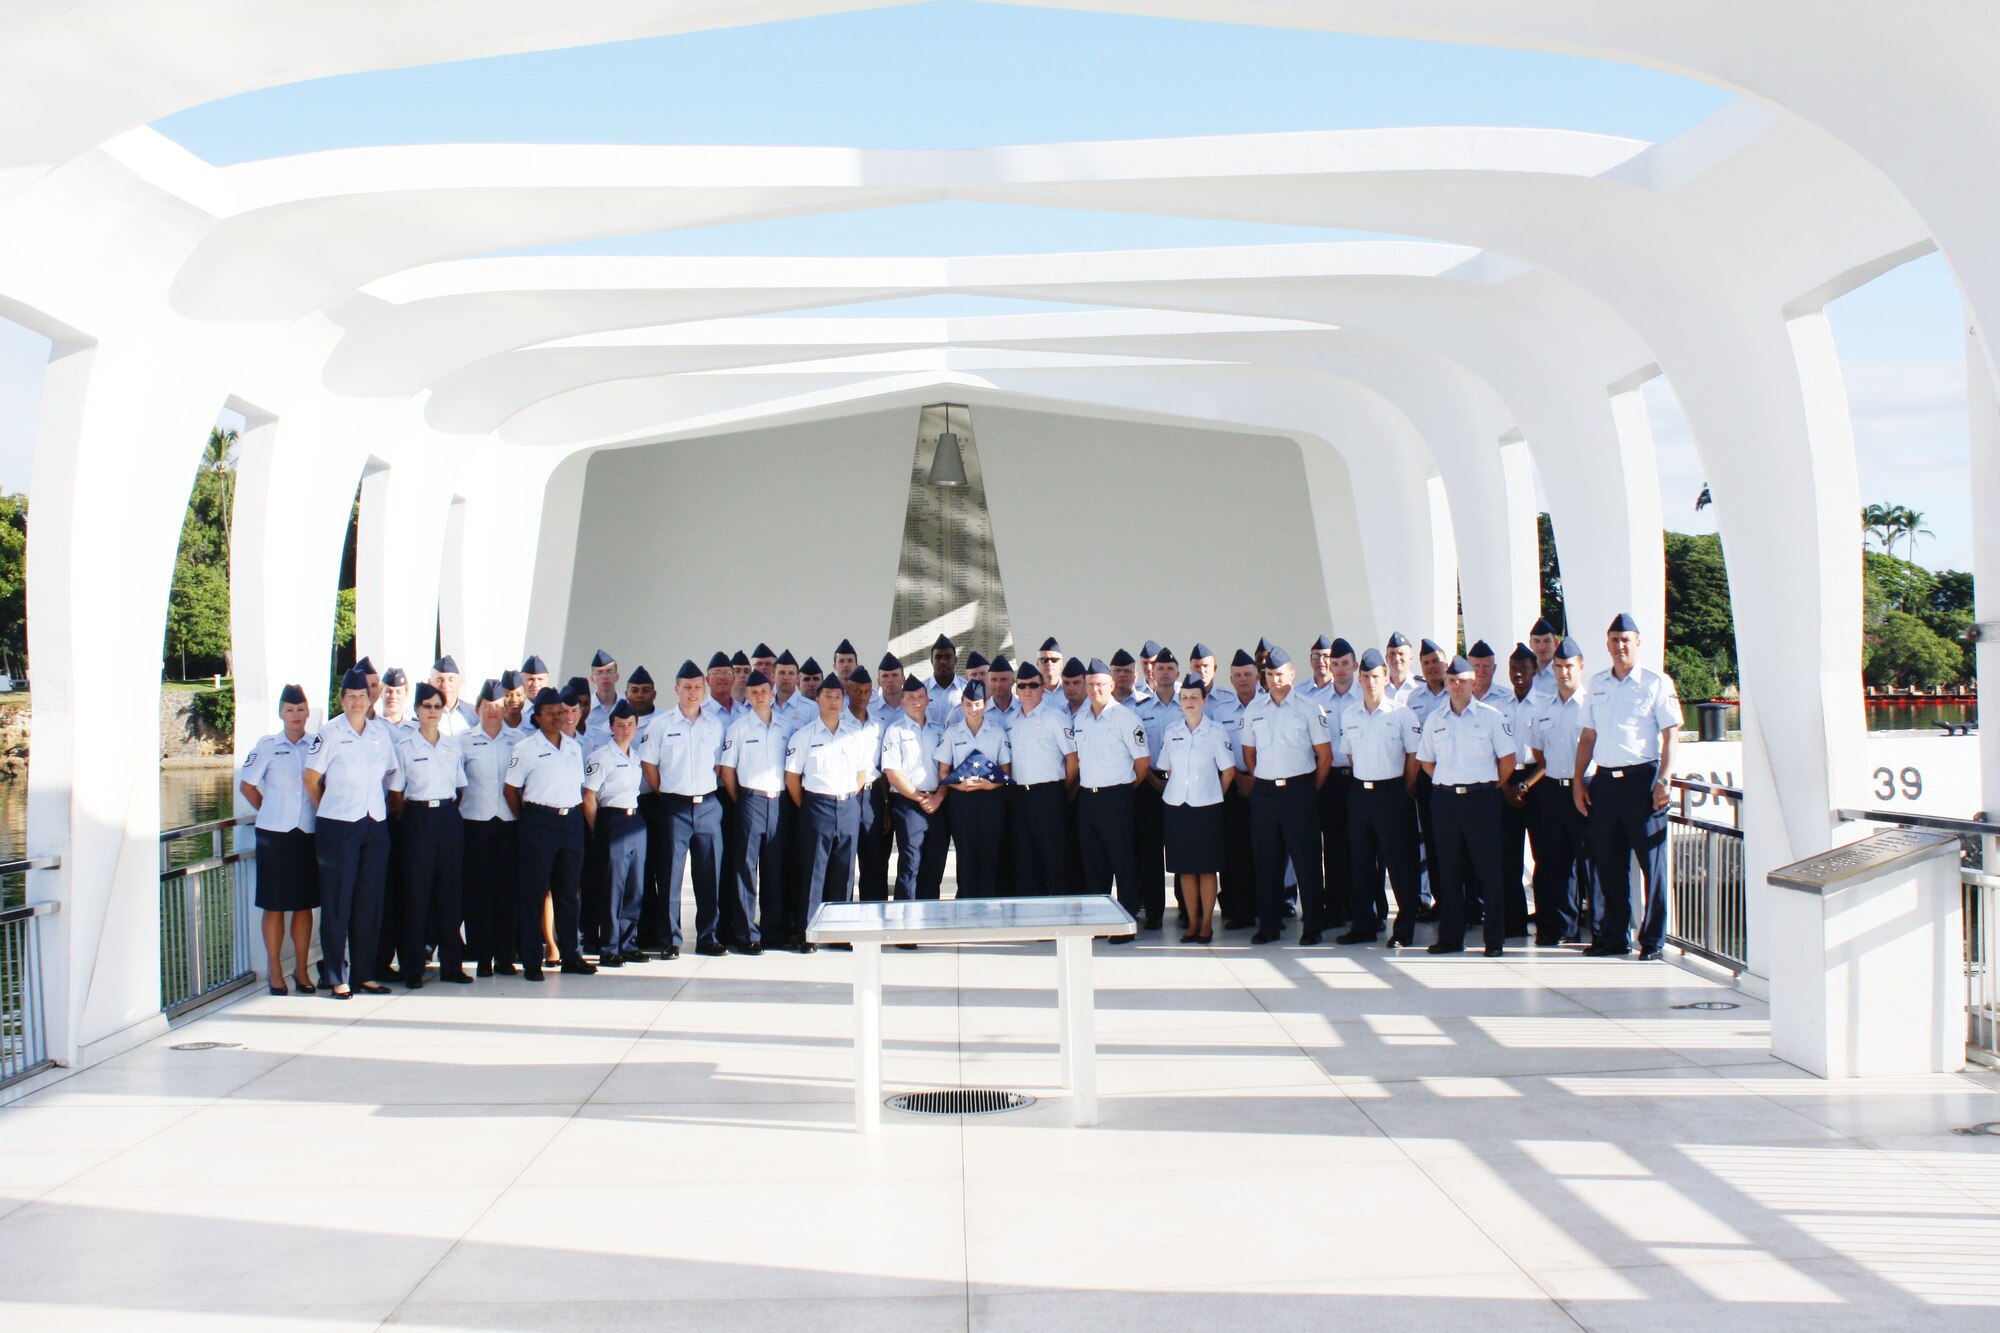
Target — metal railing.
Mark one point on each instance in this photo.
(1708, 913)
(1979, 880)
(207, 911)
(24, 1044)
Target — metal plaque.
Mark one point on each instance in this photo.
(1834, 870)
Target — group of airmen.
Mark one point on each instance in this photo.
(530, 825)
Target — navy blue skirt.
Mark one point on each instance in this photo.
(287, 871)
(1194, 838)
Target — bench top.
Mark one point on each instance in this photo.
(969, 920)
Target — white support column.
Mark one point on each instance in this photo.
(488, 594)
(121, 429)
(1442, 600)
(1632, 553)
(553, 559)
(404, 510)
(1983, 422)
(1520, 555)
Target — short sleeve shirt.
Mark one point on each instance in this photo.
(1194, 761)
(1108, 745)
(276, 767)
(615, 775)
(1379, 743)
(1042, 743)
(912, 749)
(352, 767)
(824, 760)
(548, 772)
(685, 750)
(428, 772)
(1285, 734)
(1466, 747)
(960, 744)
(1628, 716)
(1554, 726)
(486, 773)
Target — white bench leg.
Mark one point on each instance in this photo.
(867, 1038)
(1079, 1020)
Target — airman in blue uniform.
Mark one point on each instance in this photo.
(1044, 777)
(683, 749)
(273, 783)
(910, 750)
(1468, 751)
(1285, 744)
(1565, 877)
(1111, 762)
(348, 767)
(613, 777)
(424, 797)
(545, 791)
(1633, 716)
(753, 773)
(825, 776)
(492, 893)
(978, 803)
(1380, 737)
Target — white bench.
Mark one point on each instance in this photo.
(1072, 922)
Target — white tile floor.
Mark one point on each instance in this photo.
(1289, 1139)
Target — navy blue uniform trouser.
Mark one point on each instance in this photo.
(921, 846)
(353, 865)
(1237, 894)
(1104, 827)
(1423, 838)
(978, 825)
(551, 863)
(492, 900)
(1624, 824)
(1381, 839)
(1149, 824)
(1334, 861)
(872, 844)
(1564, 875)
(1513, 868)
(756, 866)
(1470, 860)
(621, 837)
(650, 935)
(594, 893)
(433, 887)
(1037, 822)
(390, 934)
(828, 826)
(1284, 827)
(695, 838)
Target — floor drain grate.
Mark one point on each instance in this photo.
(959, 1101)
(209, 1046)
(1985, 1129)
(1710, 1004)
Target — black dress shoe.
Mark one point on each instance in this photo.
(1429, 913)
(1151, 921)
(1441, 947)
(503, 969)
(671, 952)
(1264, 937)
(576, 967)
(531, 971)
(1238, 922)
(455, 978)
(1119, 939)
(486, 968)
(841, 946)
(749, 950)
(710, 949)
(1494, 951)
(1356, 937)
(1308, 938)
(804, 946)
(633, 956)
(1606, 951)
(610, 960)
(1651, 955)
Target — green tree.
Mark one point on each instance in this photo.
(1694, 676)
(1905, 651)
(1699, 617)
(198, 605)
(13, 582)
(1552, 576)
(1877, 521)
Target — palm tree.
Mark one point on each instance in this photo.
(1879, 522)
(1910, 525)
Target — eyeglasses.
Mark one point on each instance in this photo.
(1029, 685)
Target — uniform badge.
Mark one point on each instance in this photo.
(594, 767)
(1139, 735)
(316, 743)
(514, 761)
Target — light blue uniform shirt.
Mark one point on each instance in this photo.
(1402, 693)
(1336, 705)
(864, 739)
(1628, 716)
(547, 772)
(1042, 743)
(1224, 707)
(276, 767)
(1194, 761)
(1108, 744)
(756, 750)
(1554, 726)
(912, 749)
(486, 773)
(1423, 703)
(428, 772)
(1156, 715)
(352, 767)
(615, 775)
(960, 743)
(1284, 735)
(825, 761)
(1379, 743)
(944, 699)
(686, 751)
(1466, 747)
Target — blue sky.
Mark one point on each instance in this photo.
(963, 75)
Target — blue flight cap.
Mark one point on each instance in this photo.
(1278, 657)
(1342, 648)
(1426, 648)
(915, 685)
(831, 682)
(1541, 626)
(1480, 649)
(845, 646)
(1049, 645)
(1199, 651)
(889, 662)
(1242, 658)
(1263, 644)
(576, 690)
(534, 666)
(446, 664)
(1459, 667)
(623, 708)
(860, 676)
(1396, 640)
(1569, 648)
(1522, 653)
(811, 668)
(739, 658)
(366, 667)
(688, 671)
(600, 658)
(1193, 682)
(1072, 669)
(974, 661)
(756, 678)
(1001, 664)
(718, 661)
(1030, 673)
(427, 691)
(760, 652)
(1166, 655)
(1623, 624)
(944, 645)
(1122, 658)
(1322, 645)
(492, 692)
(545, 698)
(639, 676)
(1150, 648)
(395, 676)
(292, 694)
(975, 693)
(1096, 668)
(786, 659)
(510, 680)
(1372, 660)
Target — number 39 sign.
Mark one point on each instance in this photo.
(1918, 773)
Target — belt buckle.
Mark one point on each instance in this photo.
(1459, 791)
(1279, 782)
(563, 813)
(697, 800)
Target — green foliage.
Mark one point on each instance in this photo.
(1914, 623)
(1699, 617)
(217, 708)
(14, 580)
(198, 606)
(1694, 675)
(1552, 578)
(1906, 651)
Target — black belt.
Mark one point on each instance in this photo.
(560, 811)
(1563, 782)
(440, 803)
(683, 796)
(1283, 782)
(1646, 769)
(742, 790)
(1375, 784)
(829, 796)
(1110, 786)
(617, 809)
(1462, 788)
